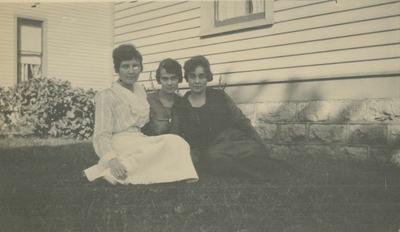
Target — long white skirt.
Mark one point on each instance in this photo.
(148, 160)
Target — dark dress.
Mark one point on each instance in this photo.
(223, 137)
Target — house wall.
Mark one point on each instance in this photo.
(324, 79)
(315, 49)
(78, 41)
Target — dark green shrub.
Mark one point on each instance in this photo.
(45, 107)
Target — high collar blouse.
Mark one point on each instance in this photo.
(118, 109)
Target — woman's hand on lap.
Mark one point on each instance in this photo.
(117, 169)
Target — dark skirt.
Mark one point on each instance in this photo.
(236, 154)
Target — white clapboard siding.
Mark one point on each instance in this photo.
(343, 56)
(161, 34)
(122, 6)
(144, 11)
(79, 41)
(189, 13)
(139, 16)
(268, 40)
(305, 23)
(310, 40)
(316, 48)
(324, 39)
(216, 44)
(7, 55)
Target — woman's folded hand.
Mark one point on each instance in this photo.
(117, 169)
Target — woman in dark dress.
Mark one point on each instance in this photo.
(216, 129)
(168, 75)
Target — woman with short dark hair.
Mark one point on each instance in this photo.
(168, 75)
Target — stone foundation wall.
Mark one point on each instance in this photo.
(366, 129)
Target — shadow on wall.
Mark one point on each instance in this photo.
(277, 91)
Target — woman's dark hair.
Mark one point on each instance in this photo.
(172, 67)
(126, 52)
(194, 62)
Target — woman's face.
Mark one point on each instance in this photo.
(169, 82)
(198, 80)
(129, 72)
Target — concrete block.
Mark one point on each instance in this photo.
(319, 151)
(380, 110)
(267, 131)
(354, 153)
(292, 132)
(327, 133)
(368, 134)
(395, 135)
(396, 109)
(381, 155)
(314, 111)
(276, 111)
(348, 111)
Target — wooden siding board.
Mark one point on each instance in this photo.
(159, 22)
(339, 18)
(352, 55)
(121, 6)
(143, 9)
(157, 10)
(164, 33)
(286, 5)
(316, 48)
(330, 8)
(345, 70)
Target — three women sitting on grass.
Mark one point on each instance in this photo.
(222, 140)
(127, 155)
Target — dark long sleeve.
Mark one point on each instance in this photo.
(241, 121)
(175, 122)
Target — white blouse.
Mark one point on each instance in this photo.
(117, 109)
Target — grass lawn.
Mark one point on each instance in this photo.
(42, 189)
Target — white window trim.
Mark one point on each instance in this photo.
(208, 27)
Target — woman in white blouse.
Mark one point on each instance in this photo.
(126, 155)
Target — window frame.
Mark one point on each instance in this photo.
(210, 26)
(44, 44)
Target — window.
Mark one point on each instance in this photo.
(29, 49)
(222, 16)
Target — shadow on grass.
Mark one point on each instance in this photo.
(42, 189)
